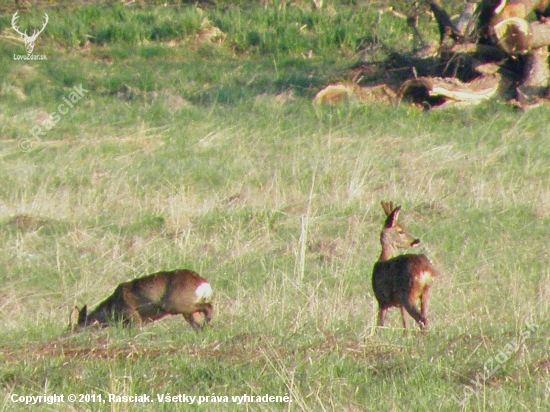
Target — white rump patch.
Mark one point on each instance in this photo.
(204, 292)
(424, 277)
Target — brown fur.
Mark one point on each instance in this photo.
(147, 299)
(401, 281)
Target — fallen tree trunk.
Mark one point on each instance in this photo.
(538, 74)
(503, 34)
(492, 50)
(516, 35)
(428, 92)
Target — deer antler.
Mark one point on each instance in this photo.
(387, 206)
(14, 21)
(36, 33)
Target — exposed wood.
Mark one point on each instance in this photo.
(492, 51)
(517, 35)
(540, 34)
(538, 74)
(436, 91)
(481, 51)
(465, 23)
(513, 35)
(347, 91)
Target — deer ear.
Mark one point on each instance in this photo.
(392, 218)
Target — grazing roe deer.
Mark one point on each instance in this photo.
(152, 297)
(401, 280)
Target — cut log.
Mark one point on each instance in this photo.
(466, 21)
(517, 36)
(538, 74)
(436, 91)
(505, 56)
(480, 51)
(540, 34)
(347, 91)
(336, 93)
(514, 8)
(513, 35)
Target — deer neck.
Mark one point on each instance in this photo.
(387, 252)
(388, 249)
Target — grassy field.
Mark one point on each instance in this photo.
(194, 144)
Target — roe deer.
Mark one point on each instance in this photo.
(150, 298)
(401, 280)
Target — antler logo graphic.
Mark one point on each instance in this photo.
(29, 40)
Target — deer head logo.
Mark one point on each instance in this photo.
(29, 40)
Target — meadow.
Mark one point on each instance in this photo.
(196, 145)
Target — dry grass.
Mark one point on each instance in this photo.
(276, 202)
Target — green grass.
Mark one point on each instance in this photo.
(209, 155)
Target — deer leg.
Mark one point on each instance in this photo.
(412, 310)
(208, 309)
(424, 304)
(189, 318)
(192, 319)
(128, 310)
(403, 317)
(132, 318)
(381, 316)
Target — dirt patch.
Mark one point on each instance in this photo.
(240, 348)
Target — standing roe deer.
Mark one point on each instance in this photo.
(401, 280)
(152, 297)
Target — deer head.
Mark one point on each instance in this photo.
(394, 236)
(29, 40)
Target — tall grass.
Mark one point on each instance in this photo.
(209, 155)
